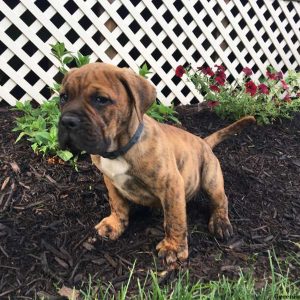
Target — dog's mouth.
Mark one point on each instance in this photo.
(68, 145)
(80, 139)
(77, 144)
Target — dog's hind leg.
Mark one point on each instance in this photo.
(114, 225)
(213, 185)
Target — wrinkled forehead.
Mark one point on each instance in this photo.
(93, 79)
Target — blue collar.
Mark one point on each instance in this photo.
(123, 150)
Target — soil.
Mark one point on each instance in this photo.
(48, 212)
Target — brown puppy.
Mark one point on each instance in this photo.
(158, 165)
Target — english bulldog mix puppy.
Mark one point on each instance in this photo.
(103, 113)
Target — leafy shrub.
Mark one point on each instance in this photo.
(39, 124)
(271, 98)
(40, 127)
(162, 113)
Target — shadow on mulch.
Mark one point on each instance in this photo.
(47, 213)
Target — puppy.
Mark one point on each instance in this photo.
(103, 113)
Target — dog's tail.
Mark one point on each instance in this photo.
(220, 135)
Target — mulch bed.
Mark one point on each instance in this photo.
(47, 214)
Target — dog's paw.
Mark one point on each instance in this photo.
(111, 227)
(220, 226)
(172, 253)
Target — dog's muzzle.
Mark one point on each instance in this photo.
(76, 133)
(67, 131)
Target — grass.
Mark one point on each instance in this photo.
(276, 286)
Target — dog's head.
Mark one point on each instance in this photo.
(99, 102)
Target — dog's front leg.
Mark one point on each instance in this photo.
(114, 225)
(174, 246)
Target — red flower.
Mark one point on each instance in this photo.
(247, 71)
(263, 89)
(271, 76)
(221, 74)
(278, 75)
(213, 104)
(214, 88)
(180, 71)
(251, 88)
(220, 68)
(208, 71)
(284, 84)
(287, 98)
(220, 80)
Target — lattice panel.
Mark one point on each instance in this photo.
(128, 33)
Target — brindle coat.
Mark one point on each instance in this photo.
(102, 106)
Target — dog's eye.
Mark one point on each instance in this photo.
(101, 100)
(63, 98)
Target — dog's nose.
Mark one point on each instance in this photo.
(70, 121)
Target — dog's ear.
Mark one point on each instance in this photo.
(139, 90)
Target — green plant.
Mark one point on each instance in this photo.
(162, 113)
(39, 125)
(271, 98)
(65, 57)
(144, 71)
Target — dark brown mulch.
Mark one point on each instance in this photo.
(47, 213)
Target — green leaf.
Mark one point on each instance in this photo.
(19, 105)
(44, 149)
(64, 155)
(81, 60)
(34, 147)
(163, 109)
(53, 133)
(174, 119)
(144, 71)
(63, 70)
(20, 136)
(68, 59)
(56, 87)
(60, 49)
(43, 135)
(55, 99)
(271, 69)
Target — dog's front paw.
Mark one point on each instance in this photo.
(111, 227)
(220, 226)
(172, 252)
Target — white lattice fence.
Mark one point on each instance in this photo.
(164, 34)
